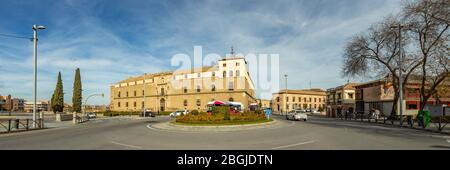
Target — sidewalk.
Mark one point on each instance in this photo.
(432, 127)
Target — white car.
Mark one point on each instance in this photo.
(297, 115)
(177, 113)
(91, 115)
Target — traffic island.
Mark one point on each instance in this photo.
(182, 127)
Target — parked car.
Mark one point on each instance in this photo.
(148, 113)
(91, 115)
(297, 115)
(315, 112)
(177, 113)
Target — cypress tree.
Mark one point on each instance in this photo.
(58, 96)
(76, 98)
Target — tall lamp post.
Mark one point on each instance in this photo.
(143, 103)
(85, 102)
(400, 63)
(285, 99)
(35, 29)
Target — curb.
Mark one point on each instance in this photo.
(224, 128)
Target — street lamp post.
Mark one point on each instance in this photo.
(85, 102)
(285, 99)
(400, 104)
(143, 104)
(35, 29)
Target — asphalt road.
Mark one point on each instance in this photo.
(317, 133)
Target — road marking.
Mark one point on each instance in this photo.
(448, 140)
(131, 146)
(297, 144)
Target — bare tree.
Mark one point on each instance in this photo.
(378, 53)
(429, 29)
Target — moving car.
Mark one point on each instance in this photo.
(177, 113)
(91, 115)
(148, 113)
(297, 115)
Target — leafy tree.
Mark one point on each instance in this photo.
(77, 92)
(57, 102)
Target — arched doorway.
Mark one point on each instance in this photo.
(162, 104)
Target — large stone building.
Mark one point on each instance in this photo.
(340, 100)
(228, 80)
(298, 99)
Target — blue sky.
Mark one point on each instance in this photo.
(110, 40)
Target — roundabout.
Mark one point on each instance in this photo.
(181, 127)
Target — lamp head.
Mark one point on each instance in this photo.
(38, 27)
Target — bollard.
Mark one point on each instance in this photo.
(17, 123)
(9, 125)
(27, 124)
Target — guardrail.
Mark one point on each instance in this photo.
(408, 121)
(8, 125)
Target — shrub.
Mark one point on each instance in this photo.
(221, 110)
(194, 112)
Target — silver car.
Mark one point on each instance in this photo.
(297, 115)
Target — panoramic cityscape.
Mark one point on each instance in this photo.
(225, 75)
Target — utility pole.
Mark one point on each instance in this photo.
(35, 28)
(400, 63)
(143, 104)
(286, 91)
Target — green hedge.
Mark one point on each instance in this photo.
(220, 118)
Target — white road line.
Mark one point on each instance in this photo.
(131, 146)
(297, 144)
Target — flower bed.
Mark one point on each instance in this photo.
(222, 118)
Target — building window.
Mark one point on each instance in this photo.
(231, 99)
(315, 99)
(224, 65)
(299, 99)
(214, 74)
(412, 107)
(198, 102)
(237, 63)
(185, 89)
(127, 94)
(304, 99)
(135, 93)
(162, 91)
(118, 95)
(293, 99)
(185, 103)
(230, 86)
(287, 99)
(198, 75)
(142, 104)
(126, 104)
(238, 73)
(224, 74)
(278, 100)
(198, 89)
(185, 76)
(213, 87)
(315, 106)
(134, 104)
(230, 73)
(320, 100)
(350, 95)
(118, 104)
(310, 99)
